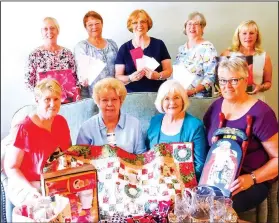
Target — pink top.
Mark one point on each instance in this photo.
(38, 144)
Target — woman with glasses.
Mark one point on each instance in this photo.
(175, 124)
(198, 56)
(261, 160)
(247, 42)
(111, 126)
(142, 79)
(50, 57)
(97, 47)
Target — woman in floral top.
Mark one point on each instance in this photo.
(49, 56)
(96, 47)
(198, 56)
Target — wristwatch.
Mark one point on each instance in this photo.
(253, 177)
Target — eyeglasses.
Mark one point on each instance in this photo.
(139, 22)
(93, 24)
(233, 81)
(193, 24)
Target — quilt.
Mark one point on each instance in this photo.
(133, 183)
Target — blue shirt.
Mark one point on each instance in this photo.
(128, 133)
(168, 138)
(156, 49)
(192, 130)
(107, 55)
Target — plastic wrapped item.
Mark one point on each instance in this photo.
(40, 210)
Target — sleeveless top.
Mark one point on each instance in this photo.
(258, 70)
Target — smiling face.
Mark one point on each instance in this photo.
(94, 27)
(140, 25)
(172, 104)
(49, 31)
(109, 103)
(48, 104)
(248, 36)
(235, 87)
(194, 28)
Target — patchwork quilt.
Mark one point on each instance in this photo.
(134, 183)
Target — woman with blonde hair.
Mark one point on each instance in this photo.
(111, 126)
(142, 79)
(247, 42)
(198, 56)
(50, 56)
(36, 138)
(175, 124)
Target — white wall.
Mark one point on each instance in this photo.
(20, 34)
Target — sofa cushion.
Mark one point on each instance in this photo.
(77, 113)
(141, 105)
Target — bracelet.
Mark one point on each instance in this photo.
(129, 79)
(253, 177)
(161, 76)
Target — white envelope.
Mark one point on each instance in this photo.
(89, 67)
(183, 76)
(148, 62)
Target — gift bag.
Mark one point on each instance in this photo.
(61, 211)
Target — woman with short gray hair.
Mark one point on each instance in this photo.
(198, 56)
(261, 160)
(175, 124)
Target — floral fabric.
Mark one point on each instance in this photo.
(41, 60)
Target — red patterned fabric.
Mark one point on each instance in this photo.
(137, 183)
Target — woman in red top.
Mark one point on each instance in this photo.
(37, 137)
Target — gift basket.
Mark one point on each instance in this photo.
(44, 209)
(79, 186)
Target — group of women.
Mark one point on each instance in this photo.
(197, 55)
(43, 131)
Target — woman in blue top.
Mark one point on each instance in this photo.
(97, 47)
(145, 79)
(111, 126)
(176, 125)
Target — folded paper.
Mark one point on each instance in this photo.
(89, 67)
(183, 75)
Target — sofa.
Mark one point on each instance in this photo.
(140, 105)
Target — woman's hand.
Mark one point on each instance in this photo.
(150, 74)
(137, 75)
(32, 194)
(257, 88)
(242, 183)
(191, 92)
(84, 82)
